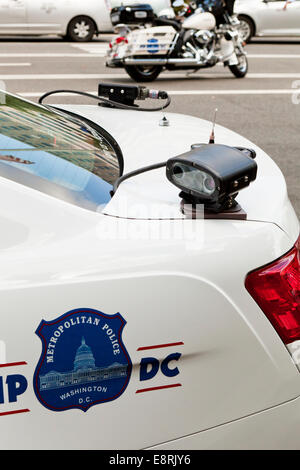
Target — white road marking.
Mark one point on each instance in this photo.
(92, 48)
(52, 76)
(40, 93)
(234, 92)
(48, 54)
(101, 53)
(97, 50)
(15, 64)
(166, 76)
(189, 92)
(273, 75)
(273, 56)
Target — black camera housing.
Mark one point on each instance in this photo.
(232, 169)
(124, 94)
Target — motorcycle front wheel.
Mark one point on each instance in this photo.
(241, 69)
(143, 73)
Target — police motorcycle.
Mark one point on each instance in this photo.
(192, 40)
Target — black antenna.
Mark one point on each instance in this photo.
(212, 135)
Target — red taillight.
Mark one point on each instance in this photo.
(121, 39)
(276, 289)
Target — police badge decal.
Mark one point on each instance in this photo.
(83, 362)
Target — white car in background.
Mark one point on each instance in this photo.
(76, 19)
(268, 18)
(203, 352)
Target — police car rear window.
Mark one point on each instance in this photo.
(57, 154)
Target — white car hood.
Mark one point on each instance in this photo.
(151, 196)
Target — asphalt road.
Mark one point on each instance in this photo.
(261, 106)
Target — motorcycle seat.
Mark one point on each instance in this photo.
(163, 21)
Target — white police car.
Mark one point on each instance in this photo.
(268, 18)
(74, 19)
(132, 317)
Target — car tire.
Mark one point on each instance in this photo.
(247, 28)
(81, 29)
(142, 73)
(240, 70)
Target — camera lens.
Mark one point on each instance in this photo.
(209, 184)
(178, 171)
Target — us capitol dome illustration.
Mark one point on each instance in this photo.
(84, 358)
(84, 371)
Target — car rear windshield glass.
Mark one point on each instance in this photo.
(57, 154)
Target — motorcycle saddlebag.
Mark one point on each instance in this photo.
(132, 14)
(158, 40)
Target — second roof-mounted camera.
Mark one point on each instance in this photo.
(127, 94)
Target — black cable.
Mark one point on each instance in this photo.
(106, 101)
(121, 106)
(155, 166)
